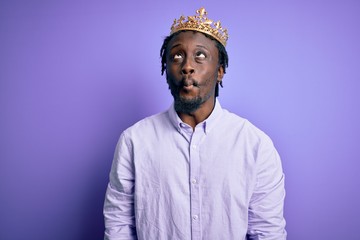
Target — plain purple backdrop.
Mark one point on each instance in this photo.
(74, 75)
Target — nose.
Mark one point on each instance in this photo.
(187, 67)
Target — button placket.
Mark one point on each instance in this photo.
(194, 182)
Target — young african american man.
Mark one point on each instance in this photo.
(195, 171)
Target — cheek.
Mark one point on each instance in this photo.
(211, 81)
(172, 70)
(211, 76)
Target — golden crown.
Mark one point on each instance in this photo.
(202, 24)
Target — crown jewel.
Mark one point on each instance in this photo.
(202, 24)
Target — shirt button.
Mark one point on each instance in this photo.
(195, 217)
(194, 146)
(193, 181)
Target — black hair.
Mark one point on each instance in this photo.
(223, 56)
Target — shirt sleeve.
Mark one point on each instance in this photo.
(119, 199)
(266, 221)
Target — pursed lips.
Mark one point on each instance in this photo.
(188, 84)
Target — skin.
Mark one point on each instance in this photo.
(192, 72)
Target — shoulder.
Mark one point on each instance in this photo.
(149, 125)
(244, 128)
(253, 141)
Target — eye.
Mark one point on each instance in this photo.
(200, 55)
(177, 57)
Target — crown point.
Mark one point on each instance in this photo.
(201, 11)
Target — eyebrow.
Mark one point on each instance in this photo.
(179, 44)
(174, 46)
(201, 46)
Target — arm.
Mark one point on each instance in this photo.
(266, 221)
(119, 200)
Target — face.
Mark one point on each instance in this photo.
(192, 70)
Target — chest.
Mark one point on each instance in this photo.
(177, 162)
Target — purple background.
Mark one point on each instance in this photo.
(74, 75)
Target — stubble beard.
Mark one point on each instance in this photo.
(183, 105)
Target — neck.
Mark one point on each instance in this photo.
(199, 115)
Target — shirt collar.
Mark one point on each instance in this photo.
(208, 123)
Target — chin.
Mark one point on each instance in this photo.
(187, 105)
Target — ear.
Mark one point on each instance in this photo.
(220, 73)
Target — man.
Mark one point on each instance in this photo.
(195, 171)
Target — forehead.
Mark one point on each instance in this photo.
(192, 38)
